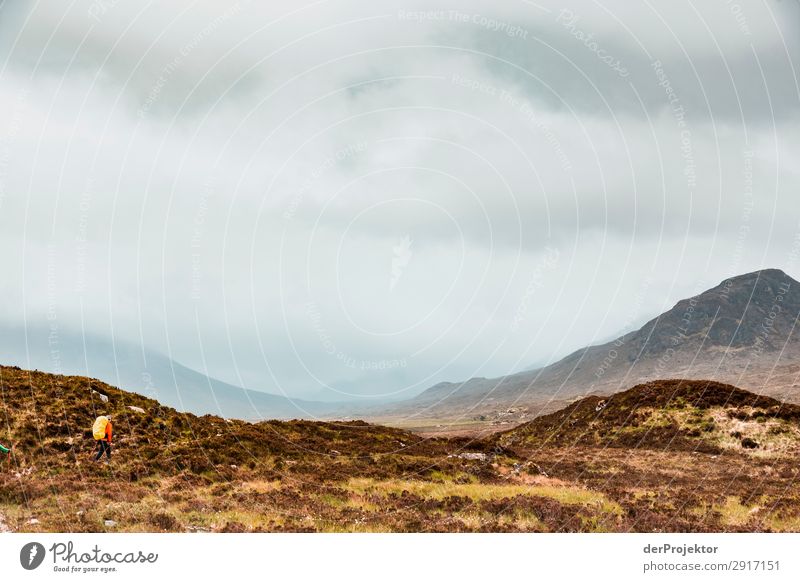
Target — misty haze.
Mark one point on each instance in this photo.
(528, 256)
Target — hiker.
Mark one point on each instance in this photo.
(102, 434)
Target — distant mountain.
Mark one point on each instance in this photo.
(150, 374)
(742, 332)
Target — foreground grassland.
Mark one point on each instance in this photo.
(664, 457)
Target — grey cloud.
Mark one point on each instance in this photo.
(252, 187)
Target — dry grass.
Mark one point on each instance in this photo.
(484, 492)
(663, 466)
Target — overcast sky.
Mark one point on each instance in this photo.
(372, 197)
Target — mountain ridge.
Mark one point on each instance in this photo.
(742, 331)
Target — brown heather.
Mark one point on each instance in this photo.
(666, 456)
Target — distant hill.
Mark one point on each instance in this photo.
(151, 374)
(743, 332)
(689, 415)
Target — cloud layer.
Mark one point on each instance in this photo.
(340, 198)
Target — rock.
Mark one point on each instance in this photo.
(137, 409)
(103, 397)
(749, 443)
(600, 406)
(24, 472)
(472, 456)
(110, 523)
(33, 521)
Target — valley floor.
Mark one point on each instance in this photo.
(553, 490)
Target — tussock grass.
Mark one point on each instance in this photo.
(734, 513)
(484, 492)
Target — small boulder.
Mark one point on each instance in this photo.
(473, 456)
(749, 443)
(137, 409)
(102, 397)
(110, 523)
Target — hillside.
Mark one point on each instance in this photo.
(741, 332)
(162, 456)
(699, 416)
(182, 473)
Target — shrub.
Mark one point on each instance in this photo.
(749, 443)
(163, 521)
